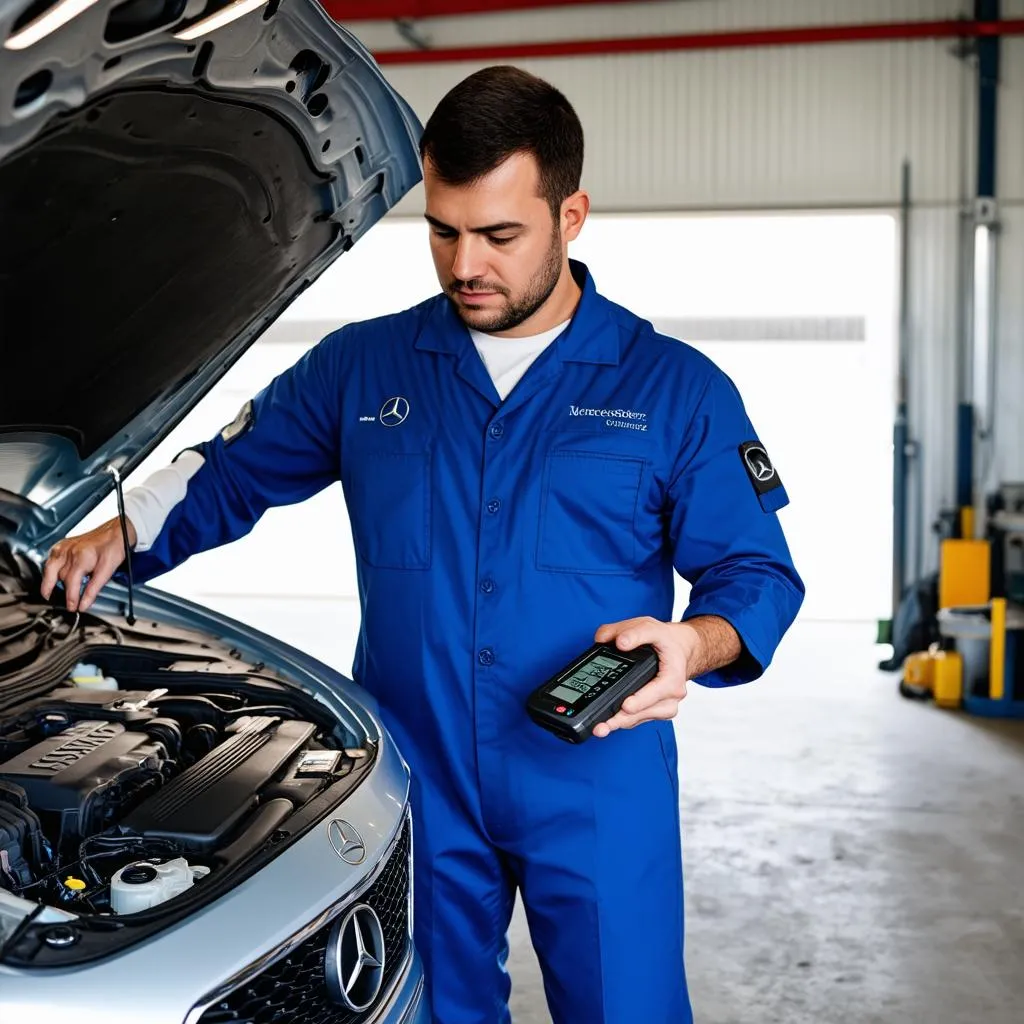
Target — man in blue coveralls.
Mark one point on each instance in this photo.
(524, 463)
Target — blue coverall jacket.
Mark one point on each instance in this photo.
(493, 538)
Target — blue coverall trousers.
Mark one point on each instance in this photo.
(589, 835)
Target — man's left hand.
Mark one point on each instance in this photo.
(678, 646)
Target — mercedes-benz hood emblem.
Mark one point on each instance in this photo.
(347, 842)
(354, 961)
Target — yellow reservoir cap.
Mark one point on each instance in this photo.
(74, 884)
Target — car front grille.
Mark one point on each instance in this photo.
(292, 990)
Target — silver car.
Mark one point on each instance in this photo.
(197, 823)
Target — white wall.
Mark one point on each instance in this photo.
(821, 407)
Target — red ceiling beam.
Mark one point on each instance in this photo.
(709, 41)
(391, 10)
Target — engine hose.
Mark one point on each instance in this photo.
(264, 709)
(263, 823)
(167, 732)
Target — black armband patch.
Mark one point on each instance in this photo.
(240, 425)
(763, 475)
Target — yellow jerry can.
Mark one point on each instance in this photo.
(919, 670)
(948, 678)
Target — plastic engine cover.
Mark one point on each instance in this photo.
(201, 806)
(66, 772)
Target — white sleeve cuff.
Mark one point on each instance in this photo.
(149, 504)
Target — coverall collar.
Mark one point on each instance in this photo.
(591, 337)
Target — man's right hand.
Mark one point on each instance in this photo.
(96, 554)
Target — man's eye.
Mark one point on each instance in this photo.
(447, 235)
(494, 240)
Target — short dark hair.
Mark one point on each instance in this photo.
(500, 111)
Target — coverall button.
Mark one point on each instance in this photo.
(493, 505)
(497, 429)
(486, 656)
(487, 586)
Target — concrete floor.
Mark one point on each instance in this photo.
(851, 857)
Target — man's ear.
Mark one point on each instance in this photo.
(574, 213)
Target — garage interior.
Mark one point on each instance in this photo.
(828, 198)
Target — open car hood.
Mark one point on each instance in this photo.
(173, 173)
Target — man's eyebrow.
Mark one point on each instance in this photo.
(488, 229)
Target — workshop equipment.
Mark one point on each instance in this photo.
(1005, 531)
(974, 664)
(987, 639)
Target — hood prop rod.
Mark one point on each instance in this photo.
(127, 547)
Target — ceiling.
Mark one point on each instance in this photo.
(442, 31)
(386, 10)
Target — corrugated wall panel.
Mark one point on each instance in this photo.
(1010, 340)
(1010, 172)
(1009, 464)
(932, 394)
(796, 126)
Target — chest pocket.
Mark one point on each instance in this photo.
(388, 492)
(588, 515)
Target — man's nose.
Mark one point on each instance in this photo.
(469, 261)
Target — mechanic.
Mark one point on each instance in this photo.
(524, 464)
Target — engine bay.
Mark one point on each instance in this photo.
(92, 783)
(141, 763)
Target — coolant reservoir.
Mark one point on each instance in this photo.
(91, 677)
(142, 885)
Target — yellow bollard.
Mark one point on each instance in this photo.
(997, 651)
(967, 522)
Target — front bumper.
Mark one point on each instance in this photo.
(409, 1003)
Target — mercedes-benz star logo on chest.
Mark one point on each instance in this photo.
(347, 842)
(354, 960)
(394, 411)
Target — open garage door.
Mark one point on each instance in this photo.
(799, 310)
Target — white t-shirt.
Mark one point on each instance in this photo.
(507, 359)
(149, 504)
